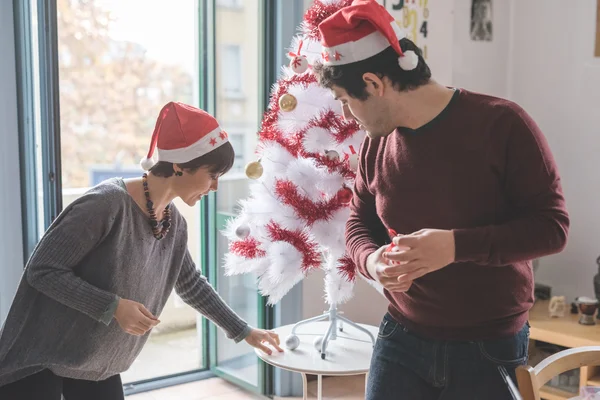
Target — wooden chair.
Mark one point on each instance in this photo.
(530, 380)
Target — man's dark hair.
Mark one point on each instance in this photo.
(218, 162)
(384, 64)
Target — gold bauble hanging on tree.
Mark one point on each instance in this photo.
(288, 102)
(254, 170)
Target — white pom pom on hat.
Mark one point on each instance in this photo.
(183, 133)
(147, 163)
(408, 61)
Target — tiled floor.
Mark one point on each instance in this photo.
(334, 388)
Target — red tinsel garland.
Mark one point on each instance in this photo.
(247, 248)
(317, 13)
(269, 130)
(304, 207)
(340, 129)
(347, 268)
(301, 241)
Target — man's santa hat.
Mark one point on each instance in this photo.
(359, 31)
(182, 134)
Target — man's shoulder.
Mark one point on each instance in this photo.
(490, 102)
(495, 108)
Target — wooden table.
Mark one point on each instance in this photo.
(566, 332)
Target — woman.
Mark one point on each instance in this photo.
(106, 267)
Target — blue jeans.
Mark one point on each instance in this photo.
(406, 366)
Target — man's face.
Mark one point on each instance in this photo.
(372, 114)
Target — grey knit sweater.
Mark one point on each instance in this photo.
(100, 248)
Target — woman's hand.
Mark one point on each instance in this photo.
(134, 318)
(258, 337)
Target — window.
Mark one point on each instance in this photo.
(229, 3)
(116, 71)
(238, 143)
(231, 70)
(106, 69)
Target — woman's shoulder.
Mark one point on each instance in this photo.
(105, 196)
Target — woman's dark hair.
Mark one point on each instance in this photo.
(218, 162)
(383, 64)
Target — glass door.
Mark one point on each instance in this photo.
(235, 74)
(119, 62)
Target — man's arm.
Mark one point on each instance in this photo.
(364, 229)
(540, 222)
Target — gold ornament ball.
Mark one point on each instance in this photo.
(288, 102)
(254, 170)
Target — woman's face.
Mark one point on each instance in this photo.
(192, 186)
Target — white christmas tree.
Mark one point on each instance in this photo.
(294, 219)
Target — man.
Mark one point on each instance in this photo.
(470, 186)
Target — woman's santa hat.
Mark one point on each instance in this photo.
(359, 31)
(182, 134)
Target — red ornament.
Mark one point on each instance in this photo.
(299, 62)
(344, 195)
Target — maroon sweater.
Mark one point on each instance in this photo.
(483, 169)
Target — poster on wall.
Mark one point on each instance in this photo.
(429, 24)
(481, 20)
(413, 17)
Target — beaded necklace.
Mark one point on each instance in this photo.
(159, 230)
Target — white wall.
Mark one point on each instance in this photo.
(367, 306)
(541, 57)
(11, 237)
(557, 80)
(476, 65)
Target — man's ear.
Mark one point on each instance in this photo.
(375, 84)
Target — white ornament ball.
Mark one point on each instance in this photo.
(397, 249)
(299, 64)
(292, 342)
(318, 342)
(332, 154)
(353, 161)
(242, 231)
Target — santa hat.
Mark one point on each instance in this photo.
(183, 133)
(359, 31)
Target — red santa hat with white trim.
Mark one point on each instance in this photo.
(359, 31)
(182, 134)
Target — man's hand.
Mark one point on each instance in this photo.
(429, 250)
(258, 337)
(386, 274)
(134, 318)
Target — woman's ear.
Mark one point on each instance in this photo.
(177, 170)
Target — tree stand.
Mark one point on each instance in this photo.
(336, 320)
